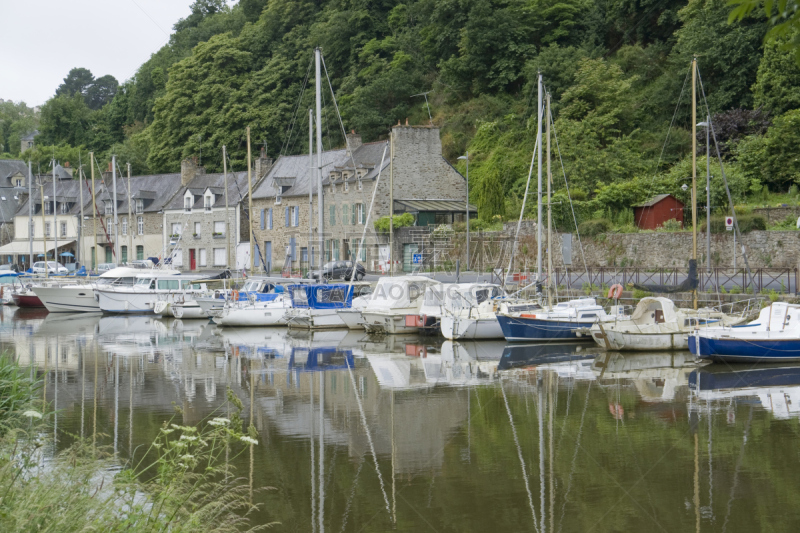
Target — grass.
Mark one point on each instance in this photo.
(182, 483)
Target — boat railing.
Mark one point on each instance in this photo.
(741, 308)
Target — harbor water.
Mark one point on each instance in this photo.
(409, 433)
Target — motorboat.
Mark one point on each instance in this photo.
(256, 289)
(773, 337)
(395, 303)
(23, 296)
(351, 316)
(319, 306)
(657, 324)
(74, 296)
(469, 311)
(562, 322)
(8, 280)
(153, 292)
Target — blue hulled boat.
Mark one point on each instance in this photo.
(774, 337)
(559, 323)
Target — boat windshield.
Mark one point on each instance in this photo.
(251, 286)
(143, 281)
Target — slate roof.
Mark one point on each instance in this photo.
(10, 167)
(157, 190)
(296, 167)
(69, 189)
(30, 136)
(237, 189)
(654, 200)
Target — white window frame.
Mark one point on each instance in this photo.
(269, 218)
(188, 202)
(198, 227)
(360, 184)
(18, 182)
(176, 228)
(278, 197)
(208, 203)
(346, 186)
(124, 226)
(47, 210)
(219, 253)
(202, 257)
(62, 226)
(64, 208)
(139, 206)
(140, 225)
(46, 229)
(217, 224)
(109, 209)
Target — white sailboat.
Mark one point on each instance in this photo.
(395, 303)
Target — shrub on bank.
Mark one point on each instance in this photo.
(590, 228)
(747, 222)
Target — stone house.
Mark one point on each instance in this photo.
(198, 231)
(27, 142)
(425, 184)
(141, 235)
(13, 191)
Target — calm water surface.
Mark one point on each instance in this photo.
(417, 434)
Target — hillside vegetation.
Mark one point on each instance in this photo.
(616, 70)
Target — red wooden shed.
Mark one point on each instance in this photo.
(657, 210)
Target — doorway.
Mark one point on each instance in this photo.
(192, 259)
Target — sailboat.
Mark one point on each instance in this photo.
(657, 323)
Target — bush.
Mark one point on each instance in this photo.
(400, 221)
(747, 223)
(671, 225)
(590, 228)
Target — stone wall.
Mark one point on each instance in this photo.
(777, 214)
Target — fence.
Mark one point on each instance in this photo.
(783, 280)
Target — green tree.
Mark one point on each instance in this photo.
(65, 119)
(16, 121)
(78, 81)
(772, 159)
(777, 87)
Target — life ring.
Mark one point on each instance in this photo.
(615, 291)
(235, 295)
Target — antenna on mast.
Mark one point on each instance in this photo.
(425, 94)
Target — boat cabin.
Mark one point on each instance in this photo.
(326, 296)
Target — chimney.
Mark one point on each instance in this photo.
(109, 167)
(406, 121)
(66, 164)
(69, 170)
(189, 170)
(354, 140)
(262, 164)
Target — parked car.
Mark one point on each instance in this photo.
(40, 267)
(105, 267)
(338, 270)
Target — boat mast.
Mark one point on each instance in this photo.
(310, 187)
(320, 225)
(116, 218)
(44, 225)
(94, 210)
(694, 172)
(30, 212)
(130, 220)
(539, 202)
(549, 215)
(250, 205)
(227, 213)
(80, 224)
(55, 223)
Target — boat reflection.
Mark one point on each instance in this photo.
(657, 376)
(519, 356)
(776, 387)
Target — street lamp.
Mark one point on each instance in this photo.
(707, 126)
(466, 158)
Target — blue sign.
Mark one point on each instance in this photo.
(416, 259)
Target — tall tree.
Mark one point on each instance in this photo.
(77, 81)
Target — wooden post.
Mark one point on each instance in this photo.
(694, 172)
(94, 211)
(250, 205)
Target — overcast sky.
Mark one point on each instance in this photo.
(44, 39)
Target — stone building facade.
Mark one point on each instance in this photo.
(198, 231)
(285, 223)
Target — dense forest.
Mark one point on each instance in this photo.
(617, 72)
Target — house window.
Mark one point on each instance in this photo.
(345, 214)
(176, 228)
(207, 204)
(63, 228)
(335, 248)
(124, 226)
(47, 210)
(203, 258)
(197, 226)
(124, 254)
(139, 206)
(140, 225)
(18, 181)
(109, 229)
(360, 210)
(304, 254)
(32, 229)
(219, 256)
(333, 215)
(219, 228)
(140, 252)
(278, 197)
(353, 215)
(296, 216)
(360, 184)
(109, 209)
(46, 229)
(346, 186)
(64, 208)
(187, 203)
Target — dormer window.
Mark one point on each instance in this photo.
(207, 201)
(346, 186)
(278, 196)
(360, 184)
(48, 208)
(18, 182)
(139, 206)
(109, 208)
(187, 203)
(64, 208)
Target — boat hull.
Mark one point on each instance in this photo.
(352, 318)
(454, 328)
(641, 342)
(315, 319)
(77, 299)
(734, 350)
(187, 310)
(389, 323)
(252, 317)
(27, 300)
(521, 329)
